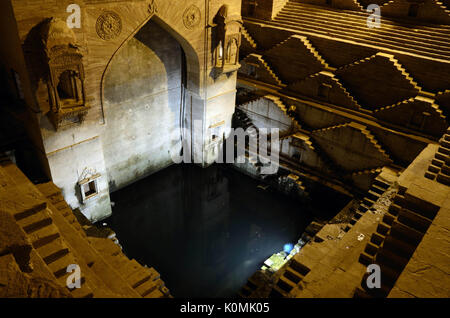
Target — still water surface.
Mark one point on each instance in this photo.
(207, 230)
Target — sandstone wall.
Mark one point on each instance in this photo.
(143, 88)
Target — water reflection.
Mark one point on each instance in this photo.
(205, 230)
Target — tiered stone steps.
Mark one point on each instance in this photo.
(378, 188)
(308, 45)
(59, 240)
(248, 38)
(277, 101)
(444, 6)
(397, 237)
(364, 130)
(402, 70)
(258, 59)
(353, 102)
(439, 169)
(141, 281)
(292, 275)
(35, 219)
(431, 41)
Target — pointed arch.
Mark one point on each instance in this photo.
(193, 80)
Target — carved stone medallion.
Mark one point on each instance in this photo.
(192, 17)
(109, 25)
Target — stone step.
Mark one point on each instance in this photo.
(372, 195)
(441, 156)
(354, 19)
(398, 247)
(445, 143)
(381, 184)
(52, 252)
(362, 37)
(444, 179)
(362, 17)
(298, 268)
(437, 162)
(44, 237)
(139, 277)
(405, 233)
(285, 285)
(394, 261)
(444, 150)
(31, 211)
(146, 288)
(430, 175)
(377, 238)
(371, 249)
(377, 189)
(35, 223)
(394, 209)
(82, 293)
(368, 202)
(293, 276)
(414, 220)
(155, 294)
(383, 228)
(366, 259)
(59, 267)
(434, 169)
(445, 169)
(388, 219)
(359, 27)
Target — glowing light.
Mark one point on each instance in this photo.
(288, 247)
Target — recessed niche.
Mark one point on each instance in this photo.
(89, 188)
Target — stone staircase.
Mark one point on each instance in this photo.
(402, 70)
(249, 38)
(379, 186)
(259, 59)
(427, 100)
(397, 237)
(145, 281)
(277, 101)
(364, 130)
(439, 169)
(307, 44)
(60, 237)
(425, 39)
(444, 6)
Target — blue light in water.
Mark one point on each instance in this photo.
(288, 247)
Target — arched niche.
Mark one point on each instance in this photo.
(64, 74)
(194, 80)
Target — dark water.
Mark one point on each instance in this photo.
(207, 230)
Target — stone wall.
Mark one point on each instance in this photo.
(143, 88)
(98, 134)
